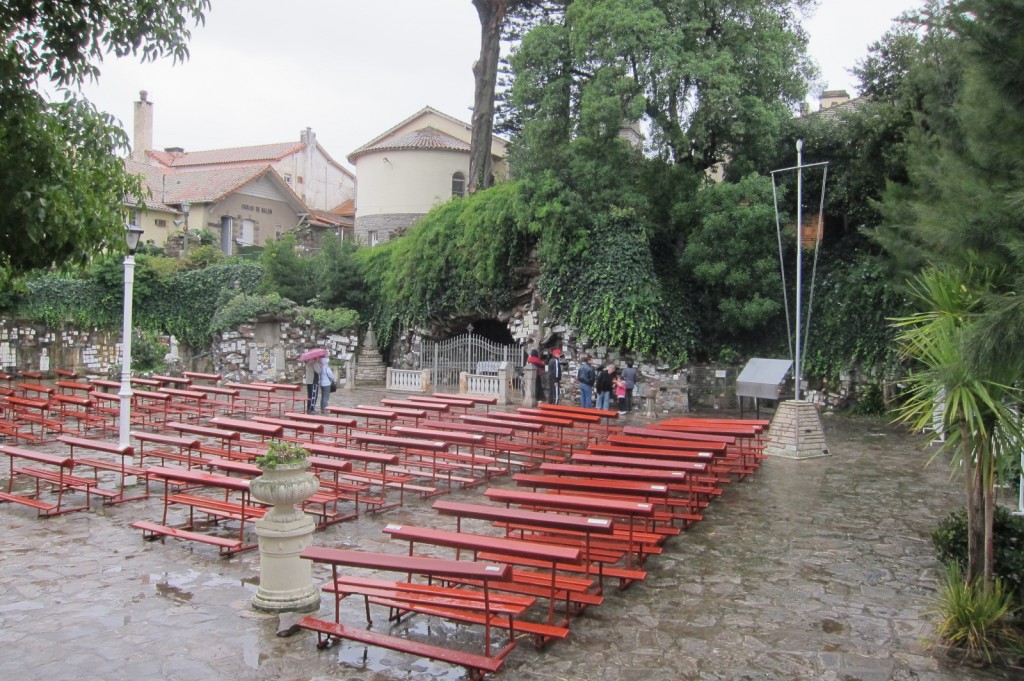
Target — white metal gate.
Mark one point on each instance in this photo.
(471, 353)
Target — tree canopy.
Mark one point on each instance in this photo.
(62, 186)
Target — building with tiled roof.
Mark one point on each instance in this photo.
(410, 168)
(305, 166)
(245, 195)
(243, 205)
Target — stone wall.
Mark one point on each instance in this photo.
(268, 350)
(39, 348)
(261, 350)
(387, 226)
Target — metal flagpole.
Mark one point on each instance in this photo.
(799, 267)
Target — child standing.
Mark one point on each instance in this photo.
(620, 394)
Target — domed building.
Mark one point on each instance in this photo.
(403, 173)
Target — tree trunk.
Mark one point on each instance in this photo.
(989, 496)
(975, 513)
(485, 73)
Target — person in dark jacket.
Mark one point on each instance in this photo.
(585, 376)
(603, 385)
(555, 376)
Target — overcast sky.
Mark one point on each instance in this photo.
(263, 70)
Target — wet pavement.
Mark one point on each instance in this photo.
(814, 569)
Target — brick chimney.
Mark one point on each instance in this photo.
(142, 140)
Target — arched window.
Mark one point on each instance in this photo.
(459, 185)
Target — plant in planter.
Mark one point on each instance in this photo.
(281, 453)
(284, 482)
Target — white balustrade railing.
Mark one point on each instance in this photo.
(408, 380)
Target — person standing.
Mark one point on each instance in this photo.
(312, 381)
(630, 375)
(538, 364)
(603, 385)
(585, 375)
(325, 383)
(620, 394)
(555, 376)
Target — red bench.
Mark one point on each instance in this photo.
(181, 449)
(57, 474)
(512, 549)
(487, 574)
(232, 503)
(120, 465)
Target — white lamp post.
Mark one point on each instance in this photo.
(132, 236)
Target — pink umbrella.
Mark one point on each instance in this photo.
(312, 354)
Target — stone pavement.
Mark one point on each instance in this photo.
(814, 569)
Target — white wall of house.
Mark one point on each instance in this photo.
(318, 180)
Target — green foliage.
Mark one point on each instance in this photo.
(55, 300)
(200, 257)
(286, 272)
(334, 320)
(709, 85)
(184, 305)
(62, 182)
(339, 282)
(242, 308)
(973, 618)
(460, 258)
(950, 542)
(731, 255)
(147, 351)
(281, 453)
(854, 301)
(610, 293)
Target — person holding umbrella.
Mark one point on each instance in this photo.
(326, 381)
(311, 364)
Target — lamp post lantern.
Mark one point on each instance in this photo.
(132, 235)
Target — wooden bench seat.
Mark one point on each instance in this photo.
(152, 531)
(227, 510)
(28, 501)
(474, 663)
(185, 449)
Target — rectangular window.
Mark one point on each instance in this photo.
(372, 237)
(160, 222)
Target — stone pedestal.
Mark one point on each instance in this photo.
(286, 580)
(370, 367)
(796, 432)
(529, 386)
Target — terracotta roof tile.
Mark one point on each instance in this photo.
(260, 153)
(345, 208)
(428, 138)
(170, 186)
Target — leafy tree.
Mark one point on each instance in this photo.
(62, 186)
(975, 406)
(286, 272)
(732, 257)
(714, 79)
(960, 216)
(339, 281)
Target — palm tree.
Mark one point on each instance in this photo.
(968, 396)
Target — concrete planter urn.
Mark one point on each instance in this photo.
(284, 486)
(286, 579)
